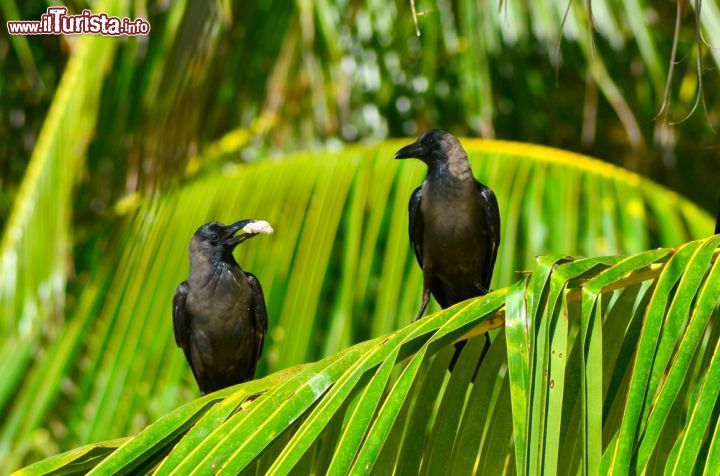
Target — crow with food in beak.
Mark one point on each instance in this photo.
(219, 314)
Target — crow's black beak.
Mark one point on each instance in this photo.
(232, 241)
(412, 151)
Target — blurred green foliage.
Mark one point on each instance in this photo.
(142, 119)
(316, 74)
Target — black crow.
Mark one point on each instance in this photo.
(219, 314)
(454, 222)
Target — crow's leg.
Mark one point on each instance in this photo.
(425, 301)
(459, 347)
(425, 295)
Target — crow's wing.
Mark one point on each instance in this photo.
(417, 229)
(492, 218)
(261, 318)
(416, 225)
(181, 324)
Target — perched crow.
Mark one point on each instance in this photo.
(454, 223)
(219, 314)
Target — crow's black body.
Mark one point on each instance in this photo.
(219, 314)
(454, 222)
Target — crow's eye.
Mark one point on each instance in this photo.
(431, 141)
(214, 237)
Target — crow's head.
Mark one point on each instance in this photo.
(217, 240)
(434, 147)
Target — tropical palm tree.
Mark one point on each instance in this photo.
(338, 271)
(602, 365)
(88, 270)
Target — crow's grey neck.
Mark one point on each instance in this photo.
(455, 169)
(204, 267)
(223, 261)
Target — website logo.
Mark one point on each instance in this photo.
(56, 21)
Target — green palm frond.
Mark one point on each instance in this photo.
(338, 271)
(37, 237)
(35, 243)
(602, 365)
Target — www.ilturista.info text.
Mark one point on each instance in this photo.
(56, 21)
